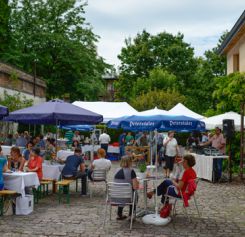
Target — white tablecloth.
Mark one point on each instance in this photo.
(6, 150)
(63, 154)
(204, 166)
(52, 171)
(17, 181)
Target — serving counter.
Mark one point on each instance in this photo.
(204, 166)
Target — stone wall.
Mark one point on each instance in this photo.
(16, 80)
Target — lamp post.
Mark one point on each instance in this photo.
(34, 76)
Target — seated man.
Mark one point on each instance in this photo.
(71, 168)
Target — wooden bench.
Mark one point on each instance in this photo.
(73, 179)
(6, 194)
(64, 188)
(45, 186)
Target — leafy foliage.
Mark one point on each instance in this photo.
(53, 39)
(15, 102)
(4, 28)
(146, 52)
(163, 99)
(230, 92)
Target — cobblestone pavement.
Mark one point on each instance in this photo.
(222, 207)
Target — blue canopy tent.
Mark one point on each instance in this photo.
(158, 122)
(56, 112)
(3, 111)
(85, 128)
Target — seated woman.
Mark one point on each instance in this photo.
(35, 163)
(27, 151)
(189, 174)
(3, 168)
(101, 163)
(125, 174)
(49, 149)
(16, 161)
(75, 144)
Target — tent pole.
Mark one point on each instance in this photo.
(92, 152)
(56, 137)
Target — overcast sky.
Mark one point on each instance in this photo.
(202, 22)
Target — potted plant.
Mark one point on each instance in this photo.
(142, 170)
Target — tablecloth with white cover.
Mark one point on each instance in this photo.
(17, 181)
(52, 171)
(204, 165)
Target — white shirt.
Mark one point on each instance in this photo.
(104, 138)
(102, 163)
(76, 138)
(171, 147)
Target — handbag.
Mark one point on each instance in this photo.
(178, 159)
(166, 210)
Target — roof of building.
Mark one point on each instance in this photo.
(234, 35)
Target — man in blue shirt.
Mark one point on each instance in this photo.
(72, 163)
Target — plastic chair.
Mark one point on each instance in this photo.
(184, 196)
(98, 175)
(120, 194)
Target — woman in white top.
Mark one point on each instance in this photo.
(100, 164)
(171, 150)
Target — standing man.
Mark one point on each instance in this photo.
(217, 141)
(71, 169)
(122, 144)
(104, 140)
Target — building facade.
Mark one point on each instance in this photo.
(234, 47)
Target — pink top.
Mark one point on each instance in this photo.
(218, 141)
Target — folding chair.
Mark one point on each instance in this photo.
(98, 175)
(120, 194)
(181, 198)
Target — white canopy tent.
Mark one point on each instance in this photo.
(180, 109)
(109, 110)
(154, 111)
(217, 120)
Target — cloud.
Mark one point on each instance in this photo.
(201, 22)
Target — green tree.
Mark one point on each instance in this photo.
(162, 99)
(158, 79)
(15, 102)
(4, 25)
(199, 94)
(230, 92)
(146, 52)
(53, 40)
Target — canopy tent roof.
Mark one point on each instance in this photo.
(3, 111)
(217, 120)
(154, 111)
(54, 112)
(86, 128)
(109, 110)
(158, 122)
(180, 109)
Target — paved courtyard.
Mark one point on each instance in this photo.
(222, 207)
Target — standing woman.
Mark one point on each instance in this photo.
(171, 150)
(35, 163)
(16, 160)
